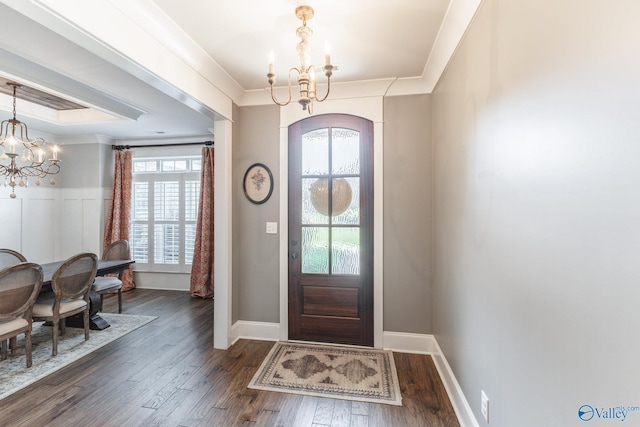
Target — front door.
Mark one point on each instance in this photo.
(331, 230)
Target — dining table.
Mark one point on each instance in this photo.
(104, 267)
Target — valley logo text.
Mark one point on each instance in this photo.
(588, 412)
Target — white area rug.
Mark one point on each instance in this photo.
(366, 375)
(14, 374)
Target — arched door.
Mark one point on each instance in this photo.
(331, 230)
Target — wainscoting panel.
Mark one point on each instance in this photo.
(11, 218)
(71, 229)
(91, 225)
(82, 221)
(39, 229)
(47, 224)
(29, 222)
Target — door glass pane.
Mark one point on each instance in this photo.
(315, 201)
(346, 201)
(345, 250)
(315, 250)
(345, 145)
(315, 152)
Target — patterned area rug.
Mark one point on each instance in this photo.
(366, 375)
(14, 374)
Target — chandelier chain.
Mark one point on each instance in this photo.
(14, 101)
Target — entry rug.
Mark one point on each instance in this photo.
(14, 374)
(366, 375)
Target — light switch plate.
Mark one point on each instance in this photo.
(272, 228)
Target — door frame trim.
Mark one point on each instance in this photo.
(370, 108)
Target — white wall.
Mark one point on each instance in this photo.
(537, 211)
(29, 222)
(81, 219)
(49, 224)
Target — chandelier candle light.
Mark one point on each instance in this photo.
(33, 161)
(306, 70)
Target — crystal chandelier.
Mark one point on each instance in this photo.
(26, 157)
(305, 70)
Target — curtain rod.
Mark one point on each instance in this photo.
(127, 147)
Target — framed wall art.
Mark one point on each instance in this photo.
(258, 183)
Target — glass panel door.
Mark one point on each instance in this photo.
(330, 201)
(330, 230)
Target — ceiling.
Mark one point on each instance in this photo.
(370, 40)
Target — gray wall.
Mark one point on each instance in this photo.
(537, 213)
(85, 165)
(78, 166)
(256, 289)
(107, 157)
(407, 214)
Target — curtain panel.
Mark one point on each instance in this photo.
(201, 284)
(117, 227)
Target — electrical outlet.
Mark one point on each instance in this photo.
(484, 405)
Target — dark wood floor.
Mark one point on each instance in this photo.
(168, 374)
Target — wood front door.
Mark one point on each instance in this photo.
(331, 230)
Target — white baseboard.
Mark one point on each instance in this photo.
(401, 342)
(161, 288)
(263, 331)
(457, 397)
(161, 281)
(426, 344)
(404, 342)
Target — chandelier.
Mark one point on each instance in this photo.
(26, 157)
(305, 70)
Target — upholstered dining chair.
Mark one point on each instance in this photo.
(70, 284)
(10, 257)
(19, 287)
(115, 251)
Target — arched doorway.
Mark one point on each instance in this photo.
(330, 230)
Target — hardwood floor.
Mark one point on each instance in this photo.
(168, 374)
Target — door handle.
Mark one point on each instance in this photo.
(294, 255)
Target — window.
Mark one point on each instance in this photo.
(165, 197)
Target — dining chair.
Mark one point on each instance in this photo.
(19, 287)
(70, 284)
(103, 284)
(10, 257)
